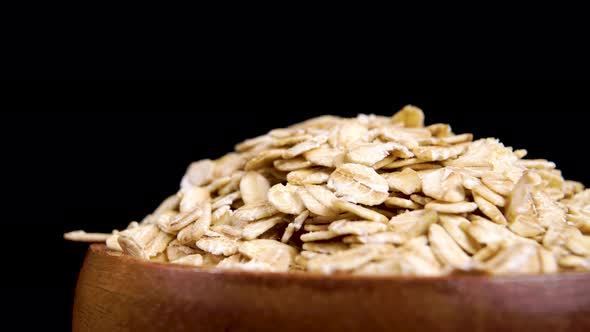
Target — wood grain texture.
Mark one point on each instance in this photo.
(118, 293)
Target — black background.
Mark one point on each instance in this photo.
(97, 157)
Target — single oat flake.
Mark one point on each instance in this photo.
(370, 195)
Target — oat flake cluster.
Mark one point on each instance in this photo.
(369, 195)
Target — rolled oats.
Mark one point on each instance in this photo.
(325, 156)
(308, 176)
(579, 245)
(443, 207)
(291, 164)
(438, 153)
(457, 227)
(410, 116)
(262, 159)
(228, 164)
(228, 199)
(285, 198)
(443, 184)
(446, 249)
(195, 230)
(173, 224)
(397, 202)
(82, 236)
(526, 226)
(200, 172)
(274, 253)
(290, 140)
(367, 195)
(294, 226)
(254, 211)
(318, 200)
(489, 195)
(304, 146)
(356, 227)
(316, 227)
(412, 224)
(255, 229)
(574, 262)
(487, 232)
(360, 211)
(325, 248)
(345, 260)
(501, 186)
(377, 238)
(358, 184)
(547, 261)
(253, 188)
(319, 236)
(418, 199)
(489, 209)
(440, 130)
(191, 260)
(222, 215)
(516, 258)
(136, 240)
(219, 245)
(233, 232)
(407, 181)
(193, 197)
(112, 242)
(404, 162)
(176, 250)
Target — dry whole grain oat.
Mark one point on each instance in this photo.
(190, 260)
(308, 176)
(253, 188)
(218, 245)
(254, 211)
(318, 200)
(193, 197)
(360, 211)
(412, 224)
(446, 249)
(200, 172)
(255, 229)
(515, 259)
(356, 227)
(304, 146)
(325, 156)
(196, 230)
(345, 260)
(277, 254)
(358, 184)
(291, 164)
(177, 222)
(285, 198)
(489, 209)
(456, 226)
(407, 181)
(294, 226)
(443, 207)
(176, 250)
(410, 116)
(367, 195)
(443, 184)
(82, 236)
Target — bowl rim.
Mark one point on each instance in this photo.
(100, 249)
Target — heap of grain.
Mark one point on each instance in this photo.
(368, 195)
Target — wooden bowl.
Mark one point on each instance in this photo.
(118, 293)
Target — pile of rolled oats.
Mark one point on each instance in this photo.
(368, 195)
